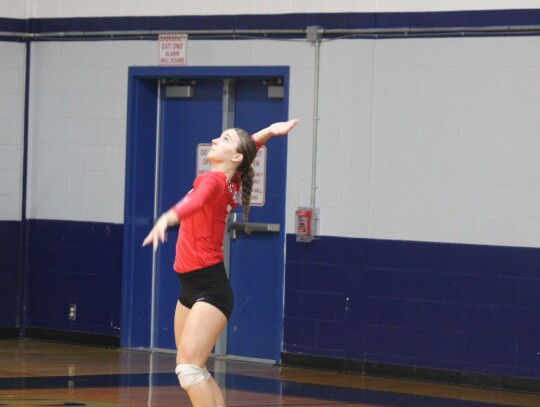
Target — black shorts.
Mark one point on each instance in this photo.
(209, 284)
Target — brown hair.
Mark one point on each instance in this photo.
(248, 149)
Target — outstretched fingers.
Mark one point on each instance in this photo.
(281, 128)
(155, 236)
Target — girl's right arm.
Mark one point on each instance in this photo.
(275, 129)
(157, 234)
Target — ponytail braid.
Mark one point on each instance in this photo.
(246, 147)
(247, 185)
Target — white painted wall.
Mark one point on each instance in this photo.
(344, 139)
(15, 8)
(419, 139)
(78, 128)
(456, 141)
(12, 76)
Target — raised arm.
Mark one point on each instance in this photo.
(276, 129)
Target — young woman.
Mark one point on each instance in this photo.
(206, 300)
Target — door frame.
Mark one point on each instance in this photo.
(141, 124)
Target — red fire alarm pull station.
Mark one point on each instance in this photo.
(307, 224)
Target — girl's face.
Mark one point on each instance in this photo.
(223, 149)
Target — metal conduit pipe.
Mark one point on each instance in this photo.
(502, 29)
(156, 216)
(314, 34)
(145, 33)
(404, 31)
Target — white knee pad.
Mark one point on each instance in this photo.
(190, 375)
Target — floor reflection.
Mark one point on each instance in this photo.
(35, 373)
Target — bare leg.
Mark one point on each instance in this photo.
(180, 316)
(218, 395)
(196, 332)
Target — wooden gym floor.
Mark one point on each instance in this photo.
(37, 373)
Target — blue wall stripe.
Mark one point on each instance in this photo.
(442, 306)
(390, 20)
(15, 25)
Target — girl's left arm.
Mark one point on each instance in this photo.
(197, 197)
(158, 232)
(190, 204)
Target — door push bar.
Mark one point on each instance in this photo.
(235, 226)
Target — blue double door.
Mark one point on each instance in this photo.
(191, 112)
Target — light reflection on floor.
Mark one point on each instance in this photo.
(36, 373)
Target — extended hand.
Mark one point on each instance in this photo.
(157, 234)
(281, 128)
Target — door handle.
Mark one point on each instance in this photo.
(235, 226)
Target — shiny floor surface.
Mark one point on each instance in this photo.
(36, 373)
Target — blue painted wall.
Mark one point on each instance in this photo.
(74, 263)
(443, 306)
(9, 266)
(447, 306)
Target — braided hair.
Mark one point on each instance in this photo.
(246, 147)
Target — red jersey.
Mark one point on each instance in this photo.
(202, 214)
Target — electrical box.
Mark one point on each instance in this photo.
(307, 224)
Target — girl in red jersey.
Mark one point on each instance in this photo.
(206, 300)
